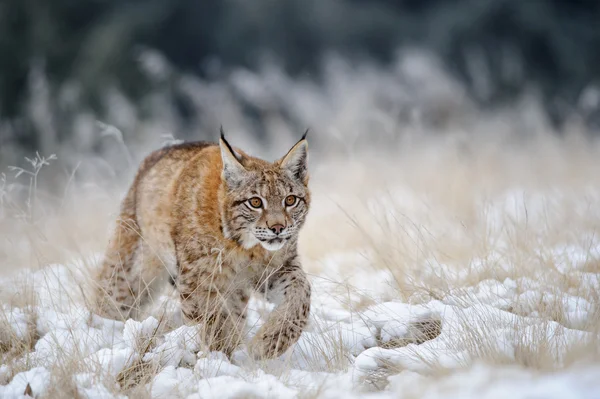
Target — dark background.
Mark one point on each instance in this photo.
(83, 47)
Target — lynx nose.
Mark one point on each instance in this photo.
(277, 228)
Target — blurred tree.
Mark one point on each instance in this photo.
(497, 47)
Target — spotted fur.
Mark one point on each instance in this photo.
(190, 218)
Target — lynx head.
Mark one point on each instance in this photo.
(262, 202)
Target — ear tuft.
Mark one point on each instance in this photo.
(305, 134)
(296, 160)
(233, 170)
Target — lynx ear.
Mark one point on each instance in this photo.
(233, 170)
(296, 160)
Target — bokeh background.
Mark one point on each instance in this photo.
(75, 73)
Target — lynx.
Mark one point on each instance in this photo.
(220, 225)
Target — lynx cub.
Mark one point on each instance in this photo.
(220, 224)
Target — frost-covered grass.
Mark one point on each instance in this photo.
(438, 270)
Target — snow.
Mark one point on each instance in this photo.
(173, 382)
(342, 349)
(37, 378)
(177, 347)
(90, 386)
(495, 383)
(363, 338)
(267, 386)
(17, 320)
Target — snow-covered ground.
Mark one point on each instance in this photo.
(514, 316)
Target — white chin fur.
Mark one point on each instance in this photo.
(249, 241)
(272, 246)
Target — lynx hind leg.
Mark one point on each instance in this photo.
(130, 282)
(120, 288)
(151, 274)
(116, 291)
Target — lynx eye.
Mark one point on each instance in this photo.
(255, 202)
(290, 200)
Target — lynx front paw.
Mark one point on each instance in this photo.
(271, 343)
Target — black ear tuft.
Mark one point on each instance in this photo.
(229, 147)
(305, 133)
(295, 161)
(233, 170)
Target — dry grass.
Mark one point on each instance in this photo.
(437, 220)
